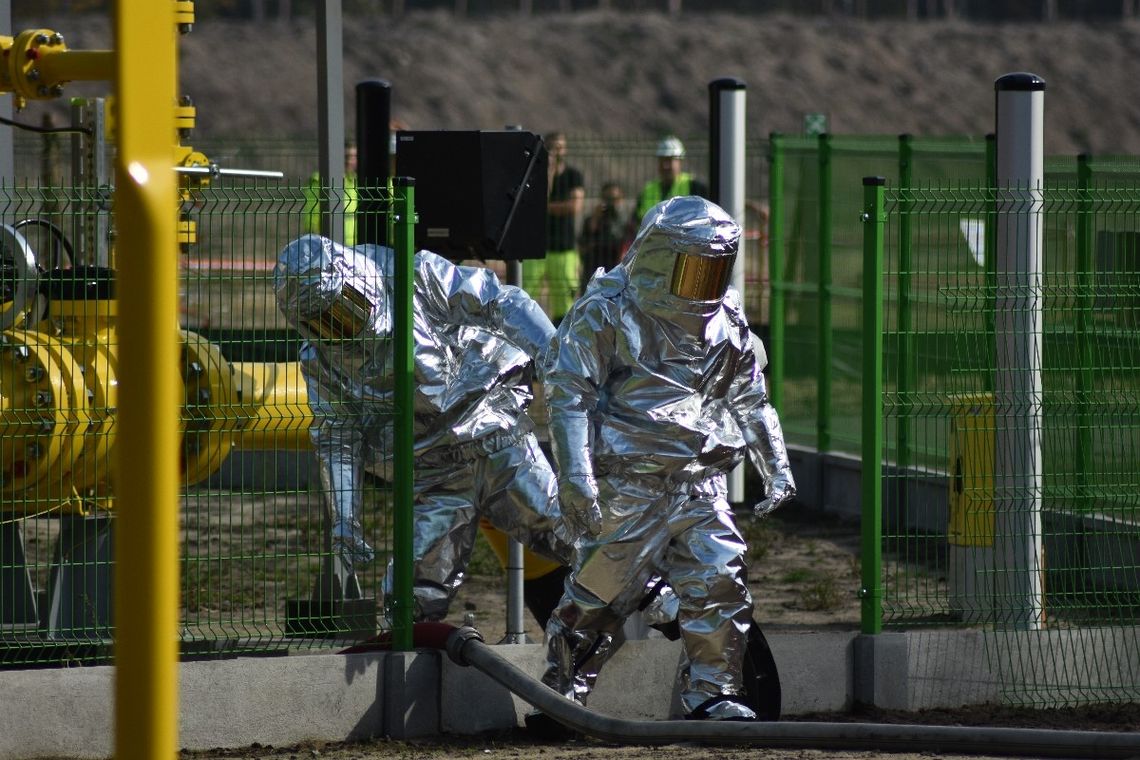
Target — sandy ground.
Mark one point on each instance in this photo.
(610, 73)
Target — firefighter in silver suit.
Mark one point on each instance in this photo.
(475, 342)
(655, 392)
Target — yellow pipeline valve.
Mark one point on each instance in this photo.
(37, 64)
(85, 325)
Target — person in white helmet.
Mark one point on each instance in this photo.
(655, 390)
(671, 180)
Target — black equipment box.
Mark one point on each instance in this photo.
(478, 194)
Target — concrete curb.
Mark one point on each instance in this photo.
(322, 696)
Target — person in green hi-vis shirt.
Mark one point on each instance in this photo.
(671, 181)
(312, 212)
(553, 280)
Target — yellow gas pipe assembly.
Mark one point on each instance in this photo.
(58, 396)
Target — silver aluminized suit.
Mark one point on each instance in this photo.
(475, 340)
(655, 390)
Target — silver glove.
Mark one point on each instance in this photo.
(780, 489)
(578, 499)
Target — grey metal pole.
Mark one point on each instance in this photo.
(726, 184)
(1019, 564)
(330, 113)
(516, 609)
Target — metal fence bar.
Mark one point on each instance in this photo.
(403, 214)
(776, 304)
(871, 592)
(823, 286)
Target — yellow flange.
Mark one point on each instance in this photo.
(37, 64)
(207, 431)
(44, 415)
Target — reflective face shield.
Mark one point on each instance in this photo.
(701, 278)
(345, 317)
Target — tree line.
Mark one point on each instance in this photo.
(915, 10)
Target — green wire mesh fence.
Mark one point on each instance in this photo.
(1008, 496)
(257, 566)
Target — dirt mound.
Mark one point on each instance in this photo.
(610, 73)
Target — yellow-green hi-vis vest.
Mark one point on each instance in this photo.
(653, 194)
(312, 210)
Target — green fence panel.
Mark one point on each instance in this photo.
(950, 494)
(257, 567)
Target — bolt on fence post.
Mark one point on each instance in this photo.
(871, 591)
(1018, 542)
(403, 213)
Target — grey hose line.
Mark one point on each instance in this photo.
(465, 646)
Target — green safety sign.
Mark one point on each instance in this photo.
(815, 123)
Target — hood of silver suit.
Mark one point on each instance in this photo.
(315, 275)
(677, 231)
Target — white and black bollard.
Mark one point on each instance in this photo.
(1018, 541)
(726, 186)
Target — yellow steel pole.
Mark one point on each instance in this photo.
(146, 575)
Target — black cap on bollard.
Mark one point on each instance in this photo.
(1020, 81)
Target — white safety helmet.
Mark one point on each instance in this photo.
(670, 147)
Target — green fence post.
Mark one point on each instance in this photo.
(776, 323)
(874, 221)
(904, 382)
(1085, 302)
(823, 371)
(403, 220)
(990, 260)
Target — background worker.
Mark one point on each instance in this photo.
(603, 233)
(671, 181)
(553, 280)
(476, 453)
(316, 189)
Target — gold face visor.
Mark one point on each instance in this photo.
(701, 278)
(344, 319)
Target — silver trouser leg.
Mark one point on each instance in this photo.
(519, 495)
(576, 652)
(606, 585)
(445, 522)
(707, 571)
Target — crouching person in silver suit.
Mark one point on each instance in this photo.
(475, 341)
(655, 390)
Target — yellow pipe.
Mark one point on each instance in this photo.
(76, 66)
(147, 482)
(274, 412)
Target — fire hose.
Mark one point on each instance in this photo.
(465, 646)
